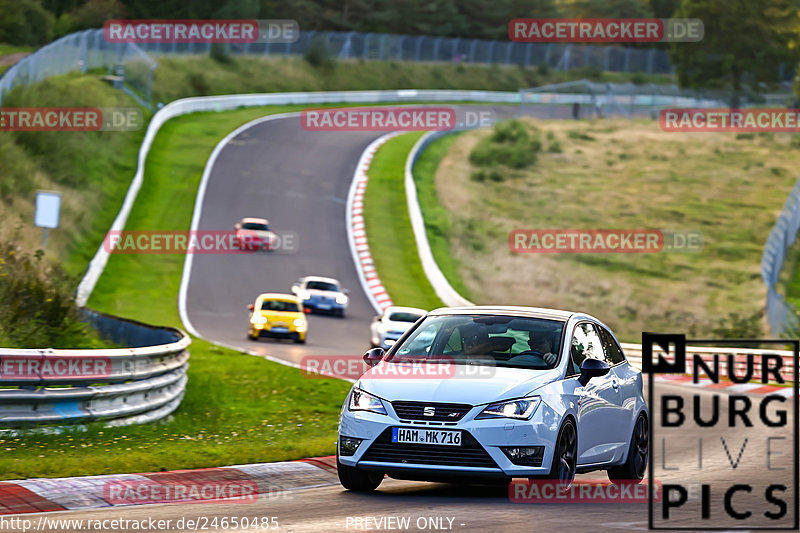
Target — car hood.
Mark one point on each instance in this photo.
(490, 385)
(326, 294)
(390, 325)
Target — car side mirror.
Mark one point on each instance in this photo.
(346, 291)
(295, 289)
(251, 307)
(592, 368)
(237, 227)
(373, 356)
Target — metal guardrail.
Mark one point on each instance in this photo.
(633, 352)
(122, 385)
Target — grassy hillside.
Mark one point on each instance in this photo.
(202, 75)
(625, 175)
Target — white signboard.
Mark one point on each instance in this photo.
(48, 205)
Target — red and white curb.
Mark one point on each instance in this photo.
(727, 386)
(270, 480)
(356, 229)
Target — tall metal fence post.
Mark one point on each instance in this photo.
(418, 48)
(366, 46)
(382, 48)
(472, 46)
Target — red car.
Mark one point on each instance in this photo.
(254, 234)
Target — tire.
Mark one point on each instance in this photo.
(565, 456)
(298, 340)
(250, 337)
(633, 470)
(357, 480)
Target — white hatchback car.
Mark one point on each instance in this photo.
(390, 325)
(523, 392)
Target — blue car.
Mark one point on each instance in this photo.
(323, 295)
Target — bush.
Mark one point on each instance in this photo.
(219, 53)
(555, 148)
(739, 327)
(36, 305)
(510, 144)
(580, 136)
(319, 54)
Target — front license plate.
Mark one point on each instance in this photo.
(436, 437)
(324, 306)
(280, 330)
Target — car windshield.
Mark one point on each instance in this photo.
(280, 305)
(321, 286)
(403, 317)
(508, 341)
(255, 226)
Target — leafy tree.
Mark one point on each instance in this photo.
(664, 8)
(744, 40)
(25, 22)
(612, 9)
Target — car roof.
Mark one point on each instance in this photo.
(278, 296)
(252, 220)
(400, 309)
(513, 310)
(320, 278)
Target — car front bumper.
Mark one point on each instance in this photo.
(326, 305)
(480, 455)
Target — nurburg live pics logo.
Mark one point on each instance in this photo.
(754, 485)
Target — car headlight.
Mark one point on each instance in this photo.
(364, 401)
(341, 299)
(299, 322)
(260, 320)
(521, 409)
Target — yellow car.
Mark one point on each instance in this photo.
(278, 315)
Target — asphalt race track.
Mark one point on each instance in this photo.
(299, 180)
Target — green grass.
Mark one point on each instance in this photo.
(391, 239)
(438, 222)
(92, 170)
(6, 49)
(178, 77)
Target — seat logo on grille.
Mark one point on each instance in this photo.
(429, 411)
